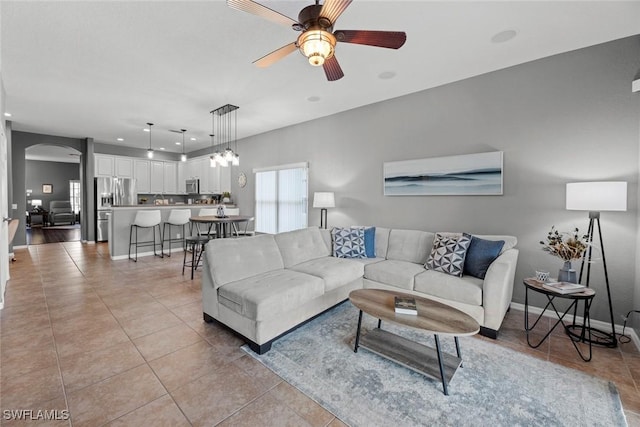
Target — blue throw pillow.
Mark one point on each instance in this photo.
(480, 255)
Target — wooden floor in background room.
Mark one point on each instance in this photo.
(56, 234)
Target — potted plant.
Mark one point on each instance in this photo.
(568, 247)
(226, 197)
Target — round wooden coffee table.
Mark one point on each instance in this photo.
(433, 316)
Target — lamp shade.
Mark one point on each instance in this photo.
(597, 196)
(36, 202)
(324, 199)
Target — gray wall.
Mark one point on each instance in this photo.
(570, 117)
(57, 174)
(118, 150)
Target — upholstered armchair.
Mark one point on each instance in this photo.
(60, 211)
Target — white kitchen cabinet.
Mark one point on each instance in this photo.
(123, 167)
(104, 165)
(225, 179)
(157, 177)
(142, 174)
(170, 178)
(181, 178)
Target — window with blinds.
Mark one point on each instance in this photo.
(281, 198)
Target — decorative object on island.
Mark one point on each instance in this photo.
(150, 150)
(568, 247)
(596, 197)
(226, 127)
(323, 200)
(226, 197)
(470, 174)
(47, 188)
(317, 42)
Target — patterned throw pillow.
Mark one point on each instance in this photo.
(369, 240)
(348, 243)
(448, 253)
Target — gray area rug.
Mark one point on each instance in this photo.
(496, 386)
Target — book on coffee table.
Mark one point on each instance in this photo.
(564, 287)
(405, 305)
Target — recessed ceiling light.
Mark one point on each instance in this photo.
(178, 143)
(313, 99)
(120, 139)
(504, 36)
(386, 75)
(193, 139)
(162, 148)
(7, 114)
(146, 130)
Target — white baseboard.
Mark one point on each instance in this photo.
(21, 247)
(595, 323)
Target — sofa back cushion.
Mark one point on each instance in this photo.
(301, 245)
(231, 260)
(409, 245)
(382, 241)
(59, 206)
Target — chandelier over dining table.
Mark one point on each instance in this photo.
(225, 128)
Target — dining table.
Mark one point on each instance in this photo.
(222, 224)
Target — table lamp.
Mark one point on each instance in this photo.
(596, 197)
(323, 200)
(36, 203)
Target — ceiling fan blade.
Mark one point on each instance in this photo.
(261, 11)
(332, 69)
(332, 9)
(276, 55)
(388, 39)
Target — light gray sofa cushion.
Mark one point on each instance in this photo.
(335, 272)
(410, 245)
(466, 289)
(299, 246)
(382, 241)
(231, 260)
(270, 294)
(393, 272)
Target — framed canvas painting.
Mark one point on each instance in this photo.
(464, 175)
(47, 188)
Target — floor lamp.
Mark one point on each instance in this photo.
(324, 200)
(596, 197)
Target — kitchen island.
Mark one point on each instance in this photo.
(122, 217)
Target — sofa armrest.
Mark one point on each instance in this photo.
(209, 291)
(497, 288)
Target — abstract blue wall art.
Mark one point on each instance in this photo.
(471, 174)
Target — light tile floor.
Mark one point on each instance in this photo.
(122, 343)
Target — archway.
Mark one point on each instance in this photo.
(53, 194)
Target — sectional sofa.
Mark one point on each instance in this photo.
(263, 286)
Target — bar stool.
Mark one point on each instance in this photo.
(207, 212)
(145, 219)
(196, 245)
(177, 218)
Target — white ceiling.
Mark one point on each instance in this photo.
(102, 69)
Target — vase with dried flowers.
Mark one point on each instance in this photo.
(567, 246)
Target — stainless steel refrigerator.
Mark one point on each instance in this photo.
(111, 192)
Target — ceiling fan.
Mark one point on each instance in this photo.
(317, 41)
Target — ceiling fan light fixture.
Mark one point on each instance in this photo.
(317, 46)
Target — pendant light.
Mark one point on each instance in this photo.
(183, 157)
(212, 158)
(150, 150)
(225, 127)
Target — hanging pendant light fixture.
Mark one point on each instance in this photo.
(226, 127)
(183, 157)
(212, 158)
(150, 150)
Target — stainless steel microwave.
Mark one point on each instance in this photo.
(193, 186)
